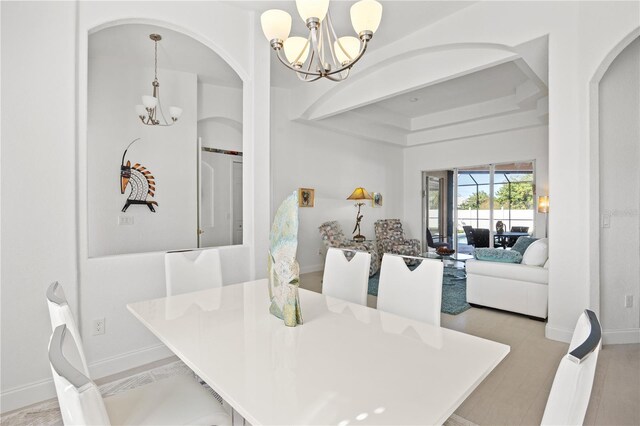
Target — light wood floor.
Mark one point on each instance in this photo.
(516, 392)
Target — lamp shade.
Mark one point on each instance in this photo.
(276, 24)
(175, 112)
(366, 16)
(296, 49)
(150, 101)
(543, 204)
(351, 46)
(359, 194)
(312, 9)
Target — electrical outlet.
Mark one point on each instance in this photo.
(125, 220)
(628, 301)
(98, 326)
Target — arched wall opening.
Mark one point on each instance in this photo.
(615, 200)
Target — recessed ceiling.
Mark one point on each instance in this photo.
(176, 51)
(481, 86)
(498, 98)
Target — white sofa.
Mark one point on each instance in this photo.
(514, 287)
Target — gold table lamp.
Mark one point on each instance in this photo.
(359, 194)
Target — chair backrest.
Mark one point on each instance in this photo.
(78, 396)
(331, 233)
(468, 232)
(571, 389)
(481, 237)
(192, 270)
(429, 238)
(60, 314)
(344, 278)
(388, 229)
(413, 294)
(519, 229)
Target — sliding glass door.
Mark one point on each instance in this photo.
(513, 196)
(491, 199)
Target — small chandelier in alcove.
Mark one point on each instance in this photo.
(148, 112)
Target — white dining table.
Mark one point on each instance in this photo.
(346, 365)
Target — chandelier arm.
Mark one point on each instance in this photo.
(341, 78)
(337, 39)
(286, 64)
(301, 51)
(166, 122)
(314, 44)
(331, 48)
(311, 56)
(352, 63)
(304, 77)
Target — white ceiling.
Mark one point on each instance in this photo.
(176, 51)
(482, 86)
(399, 18)
(498, 98)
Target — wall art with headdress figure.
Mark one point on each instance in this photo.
(140, 180)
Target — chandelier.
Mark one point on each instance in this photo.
(148, 112)
(322, 53)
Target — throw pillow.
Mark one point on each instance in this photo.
(537, 253)
(498, 255)
(522, 244)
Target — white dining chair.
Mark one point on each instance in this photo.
(192, 270)
(413, 294)
(178, 400)
(571, 389)
(60, 313)
(346, 279)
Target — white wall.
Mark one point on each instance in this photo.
(220, 116)
(581, 35)
(334, 165)
(44, 234)
(519, 145)
(169, 153)
(619, 193)
(38, 186)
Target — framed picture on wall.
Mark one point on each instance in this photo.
(306, 197)
(376, 199)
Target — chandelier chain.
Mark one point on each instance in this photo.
(156, 61)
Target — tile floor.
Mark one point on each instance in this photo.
(516, 392)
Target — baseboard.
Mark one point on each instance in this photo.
(31, 393)
(621, 337)
(118, 363)
(311, 268)
(559, 334)
(43, 390)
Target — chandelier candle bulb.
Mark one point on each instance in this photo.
(141, 111)
(349, 50)
(175, 112)
(366, 16)
(312, 9)
(150, 102)
(276, 24)
(296, 49)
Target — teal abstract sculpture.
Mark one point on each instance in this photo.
(283, 269)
